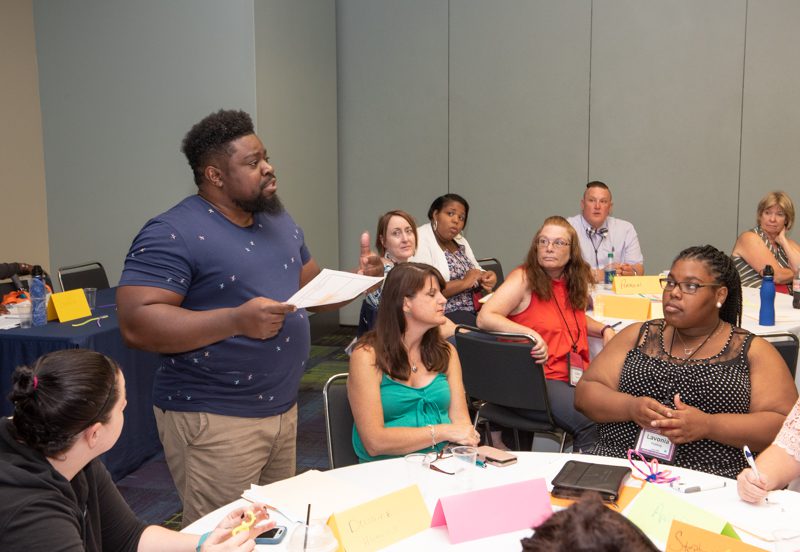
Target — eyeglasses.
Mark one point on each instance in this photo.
(558, 242)
(686, 287)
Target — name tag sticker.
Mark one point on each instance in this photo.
(576, 368)
(652, 443)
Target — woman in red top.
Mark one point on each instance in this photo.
(546, 298)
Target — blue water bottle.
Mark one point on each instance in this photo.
(38, 297)
(766, 315)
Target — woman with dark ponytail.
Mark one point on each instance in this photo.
(56, 494)
(692, 388)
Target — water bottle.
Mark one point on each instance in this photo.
(38, 294)
(766, 314)
(610, 272)
(796, 289)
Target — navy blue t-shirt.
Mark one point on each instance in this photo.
(195, 251)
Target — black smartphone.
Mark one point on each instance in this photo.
(273, 536)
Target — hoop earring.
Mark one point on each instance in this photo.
(434, 225)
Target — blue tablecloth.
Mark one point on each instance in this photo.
(139, 440)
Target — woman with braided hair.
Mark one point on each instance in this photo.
(57, 495)
(693, 388)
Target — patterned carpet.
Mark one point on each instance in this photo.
(150, 491)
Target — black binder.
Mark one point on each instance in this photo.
(575, 478)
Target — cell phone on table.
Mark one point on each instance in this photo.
(272, 536)
(496, 457)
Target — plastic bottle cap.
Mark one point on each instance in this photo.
(768, 271)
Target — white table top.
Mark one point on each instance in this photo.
(376, 479)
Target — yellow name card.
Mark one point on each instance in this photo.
(631, 285)
(70, 305)
(683, 537)
(378, 523)
(622, 306)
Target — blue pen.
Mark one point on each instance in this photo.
(751, 461)
(480, 464)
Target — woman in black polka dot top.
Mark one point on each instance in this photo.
(694, 378)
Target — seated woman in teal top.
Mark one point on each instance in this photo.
(405, 385)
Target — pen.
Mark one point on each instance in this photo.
(615, 325)
(683, 487)
(751, 461)
(480, 463)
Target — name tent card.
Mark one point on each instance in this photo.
(378, 523)
(654, 510)
(631, 285)
(487, 512)
(623, 306)
(683, 536)
(70, 305)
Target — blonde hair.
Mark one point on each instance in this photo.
(782, 200)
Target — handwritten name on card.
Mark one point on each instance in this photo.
(631, 285)
(381, 522)
(688, 538)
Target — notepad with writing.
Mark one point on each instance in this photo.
(575, 478)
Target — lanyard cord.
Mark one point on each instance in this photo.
(574, 341)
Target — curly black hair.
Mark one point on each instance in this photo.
(211, 136)
(60, 395)
(724, 271)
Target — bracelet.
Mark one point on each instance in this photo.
(203, 538)
(603, 331)
(433, 436)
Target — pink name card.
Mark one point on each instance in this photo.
(487, 512)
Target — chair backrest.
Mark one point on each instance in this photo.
(82, 276)
(498, 368)
(788, 345)
(490, 263)
(338, 422)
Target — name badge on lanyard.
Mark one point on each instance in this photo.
(653, 443)
(576, 367)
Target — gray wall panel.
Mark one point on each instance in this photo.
(121, 83)
(296, 95)
(665, 118)
(392, 59)
(519, 101)
(771, 121)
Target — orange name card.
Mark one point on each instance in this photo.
(70, 305)
(683, 536)
(623, 306)
(631, 285)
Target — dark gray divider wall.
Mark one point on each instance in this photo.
(665, 119)
(771, 123)
(519, 90)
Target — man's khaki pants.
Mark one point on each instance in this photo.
(214, 458)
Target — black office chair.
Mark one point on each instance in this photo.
(338, 422)
(85, 275)
(500, 374)
(788, 345)
(490, 263)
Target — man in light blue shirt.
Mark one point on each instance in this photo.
(601, 234)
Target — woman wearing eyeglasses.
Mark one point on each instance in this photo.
(546, 298)
(405, 387)
(57, 495)
(694, 388)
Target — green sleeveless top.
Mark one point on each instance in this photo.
(405, 406)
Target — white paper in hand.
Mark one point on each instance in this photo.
(330, 287)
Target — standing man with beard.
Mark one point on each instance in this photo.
(204, 284)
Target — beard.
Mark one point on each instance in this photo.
(270, 205)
